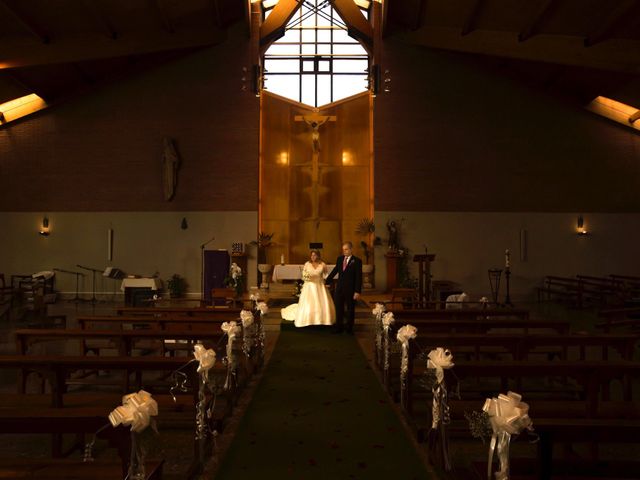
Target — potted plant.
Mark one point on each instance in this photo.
(177, 286)
(367, 228)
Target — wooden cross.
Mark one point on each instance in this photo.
(315, 121)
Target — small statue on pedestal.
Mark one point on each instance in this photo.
(393, 242)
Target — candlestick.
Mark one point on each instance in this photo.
(282, 259)
(507, 258)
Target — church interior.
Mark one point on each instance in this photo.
(168, 168)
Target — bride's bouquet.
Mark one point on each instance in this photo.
(306, 276)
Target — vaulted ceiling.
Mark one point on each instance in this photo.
(57, 47)
(581, 48)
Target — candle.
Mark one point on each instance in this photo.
(282, 259)
(507, 258)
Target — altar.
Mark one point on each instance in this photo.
(138, 290)
(290, 272)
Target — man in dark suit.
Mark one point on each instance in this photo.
(349, 269)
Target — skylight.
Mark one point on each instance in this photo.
(316, 62)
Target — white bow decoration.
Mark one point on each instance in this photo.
(508, 416)
(406, 333)
(378, 310)
(262, 306)
(440, 359)
(231, 329)
(206, 357)
(136, 410)
(247, 318)
(388, 320)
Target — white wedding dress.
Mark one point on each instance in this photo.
(315, 305)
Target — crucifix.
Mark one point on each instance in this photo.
(315, 121)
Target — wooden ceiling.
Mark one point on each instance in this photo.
(56, 47)
(581, 48)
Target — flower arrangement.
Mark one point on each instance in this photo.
(262, 307)
(235, 279)
(298, 291)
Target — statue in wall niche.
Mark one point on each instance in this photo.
(170, 166)
(393, 243)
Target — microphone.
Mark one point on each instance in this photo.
(207, 242)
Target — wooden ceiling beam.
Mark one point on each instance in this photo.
(25, 22)
(92, 47)
(273, 27)
(101, 19)
(534, 22)
(616, 16)
(621, 55)
(359, 27)
(470, 20)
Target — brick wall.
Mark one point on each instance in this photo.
(101, 151)
(457, 135)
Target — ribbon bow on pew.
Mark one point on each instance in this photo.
(508, 416)
(439, 360)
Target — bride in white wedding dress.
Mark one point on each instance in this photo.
(315, 305)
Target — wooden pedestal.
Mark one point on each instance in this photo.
(393, 269)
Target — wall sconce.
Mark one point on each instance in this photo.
(184, 225)
(580, 228)
(44, 227)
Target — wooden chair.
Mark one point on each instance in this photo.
(223, 297)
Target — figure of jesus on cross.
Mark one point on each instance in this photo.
(315, 121)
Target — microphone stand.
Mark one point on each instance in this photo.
(93, 300)
(77, 298)
(202, 268)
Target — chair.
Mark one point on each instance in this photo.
(223, 297)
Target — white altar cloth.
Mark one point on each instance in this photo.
(152, 283)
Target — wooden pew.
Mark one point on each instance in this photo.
(517, 347)
(71, 469)
(463, 314)
(616, 318)
(57, 369)
(593, 380)
(483, 325)
(124, 341)
(562, 286)
(162, 323)
(173, 311)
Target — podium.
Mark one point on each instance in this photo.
(424, 276)
(216, 269)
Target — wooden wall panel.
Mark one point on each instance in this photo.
(345, 157)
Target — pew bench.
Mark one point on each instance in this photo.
(182, 311)
(67, 469)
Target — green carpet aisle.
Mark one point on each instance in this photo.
(320, 413)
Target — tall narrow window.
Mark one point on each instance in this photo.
(316, 62)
